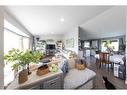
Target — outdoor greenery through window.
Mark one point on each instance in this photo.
(13, 38)
(110, 45)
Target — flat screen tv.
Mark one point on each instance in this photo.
(50, 46)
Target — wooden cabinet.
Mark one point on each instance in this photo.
(38, 86)
(54, 83)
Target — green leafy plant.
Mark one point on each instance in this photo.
(107, 43)
(19, 58)
(13, 57)
(36, 56)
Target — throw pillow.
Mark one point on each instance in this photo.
(64, 67)
(71, 63)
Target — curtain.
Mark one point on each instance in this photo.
(26, 43)
(12, 40)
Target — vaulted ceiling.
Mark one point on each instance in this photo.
(41, 20)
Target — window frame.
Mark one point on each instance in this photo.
(112, 40)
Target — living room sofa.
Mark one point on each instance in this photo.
(78, 79)
(74, 78)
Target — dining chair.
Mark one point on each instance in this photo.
(104, 59)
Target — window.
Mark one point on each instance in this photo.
(13, 38)
(87, 44)
(115, 45)
(112, 45)
(10, 41)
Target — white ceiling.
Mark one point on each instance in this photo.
(110, 23)
(40, 20)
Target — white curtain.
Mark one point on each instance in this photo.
(12, 40)
(26, 43)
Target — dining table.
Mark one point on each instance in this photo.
(116, 58)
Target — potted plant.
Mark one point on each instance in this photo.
(13, 57)
(21, 61)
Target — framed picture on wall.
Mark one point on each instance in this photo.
(70, 43)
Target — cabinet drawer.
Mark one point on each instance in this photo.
(54, 83)
(36, 87)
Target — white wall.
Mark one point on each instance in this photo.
(72, 34)
(55, 37)
(1, 48)
(52, 36)
(82, 34)
(110, 23)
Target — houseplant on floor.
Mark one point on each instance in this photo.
(21, 61)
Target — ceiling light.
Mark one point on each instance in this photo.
(62, 19)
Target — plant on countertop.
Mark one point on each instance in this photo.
(19, 58)
(13, 57)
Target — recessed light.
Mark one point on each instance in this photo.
(62, 19)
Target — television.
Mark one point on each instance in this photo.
(50, 46)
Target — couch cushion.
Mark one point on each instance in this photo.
(71, 63)
(76, 78)
(64, 67)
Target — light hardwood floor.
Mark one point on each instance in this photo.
(92, 64)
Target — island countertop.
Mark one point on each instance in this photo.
(32, 80)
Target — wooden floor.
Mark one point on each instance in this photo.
(92, 64)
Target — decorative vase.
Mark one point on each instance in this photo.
(23, 76)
